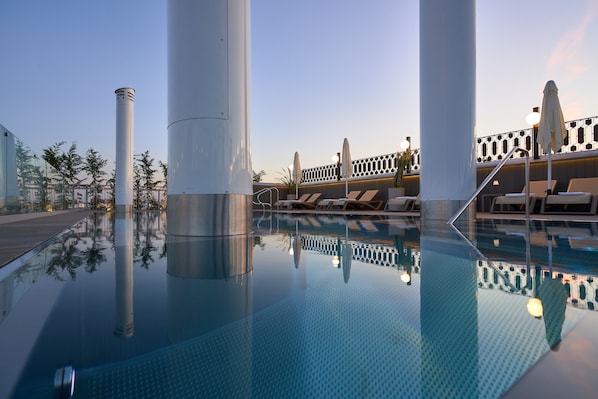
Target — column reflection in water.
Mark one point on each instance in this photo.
(208, 283)
(209, 288)
(123, 242)
(449, 318)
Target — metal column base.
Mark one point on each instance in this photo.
(123, 210)
(443, 210)
(209, 214)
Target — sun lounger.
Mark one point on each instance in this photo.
(309, 203)
(401, 204)
(324, 204)
(515, 202)
(366, 201)
(581, 197)
(581, 237)
(287, 203)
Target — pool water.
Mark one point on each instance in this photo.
(306, 306)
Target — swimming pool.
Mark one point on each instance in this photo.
(307, 306)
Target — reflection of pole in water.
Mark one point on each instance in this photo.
(209, 288)
(448, 314)
(124, 277)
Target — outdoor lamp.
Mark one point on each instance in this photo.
(534, 307)
(337, 160)
(533, 119)
(406, 275)
(406, 278)
(335, 261)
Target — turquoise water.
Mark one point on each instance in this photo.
(307, 306)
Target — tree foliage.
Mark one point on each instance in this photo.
(146, 181)
(257, 177)
(94, 167)
(68, 164)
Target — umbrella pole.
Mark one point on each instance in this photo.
(549, 188)
(296, 190)
(550, 255)
(346, 188)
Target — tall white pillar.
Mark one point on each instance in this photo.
(447, 106)
(9, 188)
(125, 99)
(209, 158)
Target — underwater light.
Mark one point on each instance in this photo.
(64, 382)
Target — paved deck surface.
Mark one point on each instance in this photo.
(21, 233)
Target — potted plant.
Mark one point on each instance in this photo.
(287, 180)
(403, 159)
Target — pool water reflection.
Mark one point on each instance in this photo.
(307, 306)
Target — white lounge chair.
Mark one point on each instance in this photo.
(581, 197)
(287, 203)
(324, 204)
(515, 202)
(401, 204)
(309, 203)
(366, 201)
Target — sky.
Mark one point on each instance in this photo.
(321, 70)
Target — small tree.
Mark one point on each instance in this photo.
(287, 180)
(68, 164)
(164, 169)
(137, 186)
(94, 166)
(25, 170)
(146, 183)
(403, 160)
(257, 177)
(111, 182)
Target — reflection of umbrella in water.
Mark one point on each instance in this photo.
(553, 295)
(346, 165)
(297, 173)
(551, 130)
(403, 259)
(296, 250)
(346, 258)
(297, 245)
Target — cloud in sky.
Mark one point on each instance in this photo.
(567, 58)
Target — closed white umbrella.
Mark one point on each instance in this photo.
(551, 130)
(297, 173)
(346, 165)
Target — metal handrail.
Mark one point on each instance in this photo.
(269, 190)
(491, 176)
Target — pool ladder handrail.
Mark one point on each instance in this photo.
(490, 261)
(503, 161)
(270, 190)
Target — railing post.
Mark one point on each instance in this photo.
(491, 176)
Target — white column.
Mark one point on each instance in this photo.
(9, 188)
(209, 159)
(447, 106)
(125, 99)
